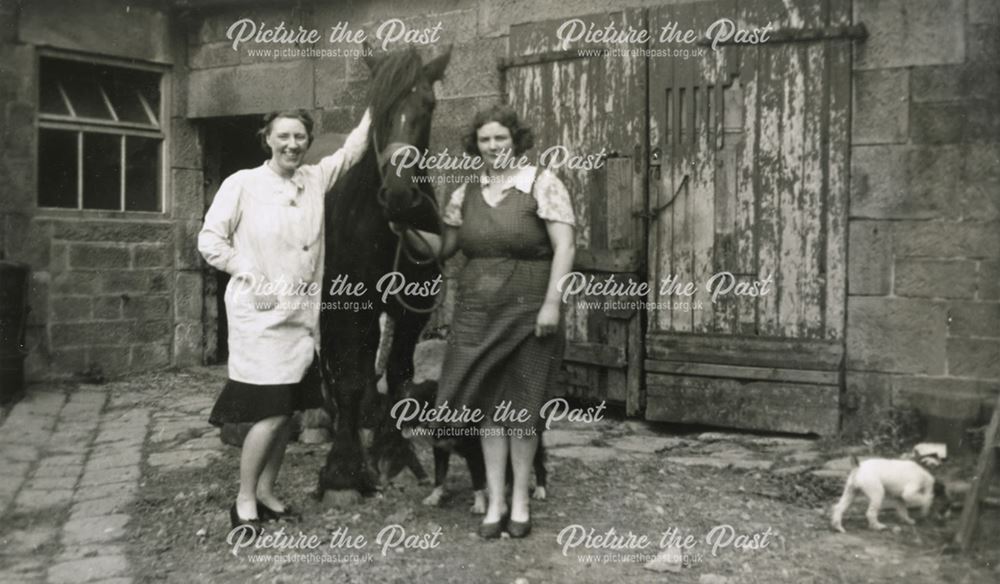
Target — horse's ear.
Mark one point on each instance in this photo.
(434, 69)
(371, 61)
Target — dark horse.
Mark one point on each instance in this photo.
(360, 250)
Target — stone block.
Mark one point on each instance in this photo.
(188, 296)
(39, 299)
(189, 195)
(984, 12)
(186, 144)
(976, 358)
(867, 401)
(941, 239)
(472, 70)
(147, 307)
(974, 319)
(904, 33)
(93, 256)
(69, 360)
(935, 278)
(135, 281)
(223, 92)
(186, 255)
(18, 134)
(978, 187)
(869, 261)
(110, 361)
(983, 43)
(188, 348)
(98, 508)
(17, 175)
(28, 241)
(152, 256)
(123, 491)
(110, 475)
(954, 82)
(107, 307)
(972, 120)
(90, 333)
(152, 331)
(71, 309)
(896, 335)
(211, 55)
(900, 182)
(881, 106)
(150, 357)
(111, 231)
(988, 285)
(334, 92)
(76, 283)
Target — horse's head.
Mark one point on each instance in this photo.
(402, 102)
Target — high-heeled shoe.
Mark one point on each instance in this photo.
(236, 521)
(268, 514)
(518, 529)
(494, 529)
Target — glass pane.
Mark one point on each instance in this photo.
(57, 168)
(51, 101)
(85, 94)
(142, 174)
(102, 171)
(124, 87)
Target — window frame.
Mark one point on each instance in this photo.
(116, 128)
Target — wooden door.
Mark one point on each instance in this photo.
(586, 104)
(749, 177)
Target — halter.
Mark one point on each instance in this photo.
(401, 248)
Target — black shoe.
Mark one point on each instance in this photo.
(518, 529)
(267, 514)
(236, 521)
(493, 530)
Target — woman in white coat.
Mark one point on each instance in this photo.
(266, 228)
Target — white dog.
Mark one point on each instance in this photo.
(906, 483)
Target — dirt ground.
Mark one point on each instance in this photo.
(619, 474)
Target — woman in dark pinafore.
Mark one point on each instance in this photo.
(515, 226)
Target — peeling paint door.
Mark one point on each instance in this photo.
(589, 104)
(749, 155)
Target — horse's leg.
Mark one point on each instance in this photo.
(399, 370)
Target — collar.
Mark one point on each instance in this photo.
(296, 178)
(523, 180)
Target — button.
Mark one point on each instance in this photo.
(305, 248)
(293, 203)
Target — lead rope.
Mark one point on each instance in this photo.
(401, 249)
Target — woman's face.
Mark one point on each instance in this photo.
(289, 141)
(492, 139)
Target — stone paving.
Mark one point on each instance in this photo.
(71, 464)
(72, 458)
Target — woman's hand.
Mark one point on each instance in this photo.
(548, 319)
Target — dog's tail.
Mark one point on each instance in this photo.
(854, 461)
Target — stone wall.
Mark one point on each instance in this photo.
(111, 292)
(923, 324)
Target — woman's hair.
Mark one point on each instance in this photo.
(520, 135)
(296, 114)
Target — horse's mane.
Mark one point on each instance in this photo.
(396, 75)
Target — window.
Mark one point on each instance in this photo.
(100, 137)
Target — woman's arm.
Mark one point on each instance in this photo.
(354, 147)
(215, 238)
(564, 250)
(441, 246)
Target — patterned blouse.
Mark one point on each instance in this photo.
(553, 199)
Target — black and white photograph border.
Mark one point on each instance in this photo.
(698, 291)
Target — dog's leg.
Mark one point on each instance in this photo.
(845, 501)
(876, 493)
(902, 513)
(541, 474)
(441, 459)
(914, 496)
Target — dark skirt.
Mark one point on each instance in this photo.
(242, 402)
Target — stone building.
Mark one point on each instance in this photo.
(911, 275)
